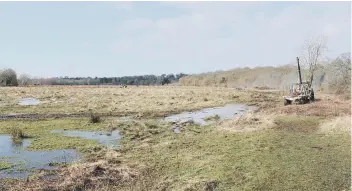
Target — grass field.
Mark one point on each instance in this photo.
(297, 147)
(144, 101)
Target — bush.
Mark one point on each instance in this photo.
(94, 118)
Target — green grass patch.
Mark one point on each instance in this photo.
(267, 160)
(5, 165)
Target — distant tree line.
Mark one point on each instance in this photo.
(8, 77)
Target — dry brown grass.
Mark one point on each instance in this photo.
(336, 109)
(326, 106)
(104, 173)
(338, 125)
(111, 99)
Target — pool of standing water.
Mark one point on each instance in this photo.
(28, 101)
(109, 139)
(228, 111)
(24, 161)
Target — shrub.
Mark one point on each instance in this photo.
(94, 118)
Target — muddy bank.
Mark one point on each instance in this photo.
(53, 115)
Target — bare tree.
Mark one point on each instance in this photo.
(8, 77)
(342, 66)
(24, 79)
(313, 54)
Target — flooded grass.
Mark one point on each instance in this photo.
(109, 139)
(43, 139)
(5, 165)
(22, 162)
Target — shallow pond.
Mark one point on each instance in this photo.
(109, 139)
(28, 101)
(228, 111)
(24, 161)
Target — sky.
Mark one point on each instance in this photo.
(49, 39)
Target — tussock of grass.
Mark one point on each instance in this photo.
(104, 173)
(95, 175)
(94, 118)
(214, 117)
(140, 130)
(5, 165)
(16, 133)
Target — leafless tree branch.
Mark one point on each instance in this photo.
(24, 80)
(313, 54)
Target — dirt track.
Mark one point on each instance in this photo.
(54, 115)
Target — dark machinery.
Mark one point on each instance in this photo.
(301, 92)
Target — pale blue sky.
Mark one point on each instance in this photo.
(133, 38)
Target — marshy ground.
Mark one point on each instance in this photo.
(276, 147)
